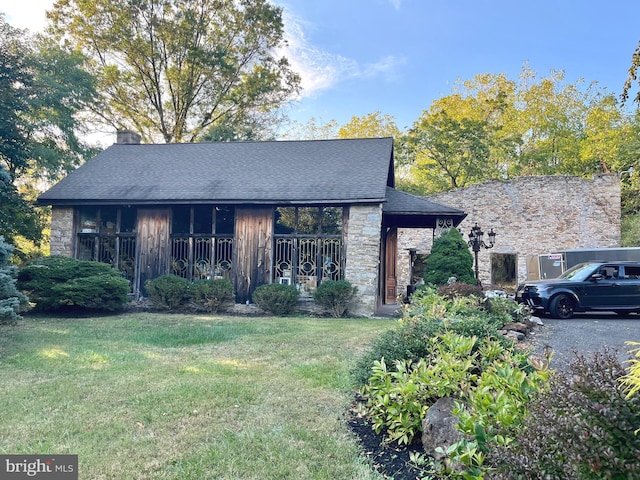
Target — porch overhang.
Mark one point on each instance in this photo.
(403, 210)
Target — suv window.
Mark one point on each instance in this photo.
(632, 272)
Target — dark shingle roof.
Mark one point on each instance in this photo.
(406, 210)
(331, 171)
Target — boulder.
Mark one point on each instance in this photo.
(439, 427)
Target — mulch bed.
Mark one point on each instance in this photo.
(390, 459)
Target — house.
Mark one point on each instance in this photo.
(294, 212)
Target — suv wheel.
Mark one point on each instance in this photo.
(562, 306)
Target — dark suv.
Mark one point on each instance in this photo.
(604, 286)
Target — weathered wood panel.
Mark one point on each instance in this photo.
(252, 252)
(153, 245)
(391, 252)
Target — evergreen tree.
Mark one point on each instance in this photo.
(450, 257)
(11, 300)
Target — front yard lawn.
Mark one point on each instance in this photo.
(158, 396)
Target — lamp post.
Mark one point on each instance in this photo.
(476, 242)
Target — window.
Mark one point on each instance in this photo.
(308, 246)
(632, 272)
(107, 235)
(202, 241)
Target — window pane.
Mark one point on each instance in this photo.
(308, 220)
(181, 219)
(108, 218)
(128, 219)
(332, 220)
(225, 220)
(202, 219)
(285, 220)
(89, 220)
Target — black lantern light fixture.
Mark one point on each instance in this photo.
(476, 242)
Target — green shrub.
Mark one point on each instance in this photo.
(409, 341)
(100, 292)
(276, 298)
(429, 315)
(12, 301)
(211, 295)
(631, 380)
(57, 282)
(335, 296)
(168, 291)
(449, 257)
(582, 427)
(494, 384)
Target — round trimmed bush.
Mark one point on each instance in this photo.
(167, 291)
(335, 296)
(210, 295)
(276, 298)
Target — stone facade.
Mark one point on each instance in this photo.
(363, 255)
(531, 216)
(61, 242)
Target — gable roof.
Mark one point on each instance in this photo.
(295, 172)
(405, 210)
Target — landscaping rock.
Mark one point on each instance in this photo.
(439, 427)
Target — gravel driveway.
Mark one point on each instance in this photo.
(586, 333)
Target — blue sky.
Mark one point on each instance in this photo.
(398, 56)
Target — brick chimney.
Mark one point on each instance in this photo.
(127, 137)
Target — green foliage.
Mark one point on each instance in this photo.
(58, 282)
(190, 66)
(429, 315)
(630, 230)
(210, 295)
(493, 410)
(493, 384)
(631, 380)
(168, 291)
(450, 257)
(581, 427)
(276, 298)
(12, 301)
(632, 77)
(335, 296)
(493, 127)
(42, 90)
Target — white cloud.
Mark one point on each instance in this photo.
(26, 14)
(395, 4)
(321, 70)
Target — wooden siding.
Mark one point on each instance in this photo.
(252, 255)
(153, 244)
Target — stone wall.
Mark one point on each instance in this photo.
(61, 242)
(531, 216)
(363, 254)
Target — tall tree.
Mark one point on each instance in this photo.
(372, 125)
(174, 68)
(43, 91)
(493, 127)
(632, 77)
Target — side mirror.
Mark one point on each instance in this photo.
(597, 276)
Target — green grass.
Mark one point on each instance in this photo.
(153, 396)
